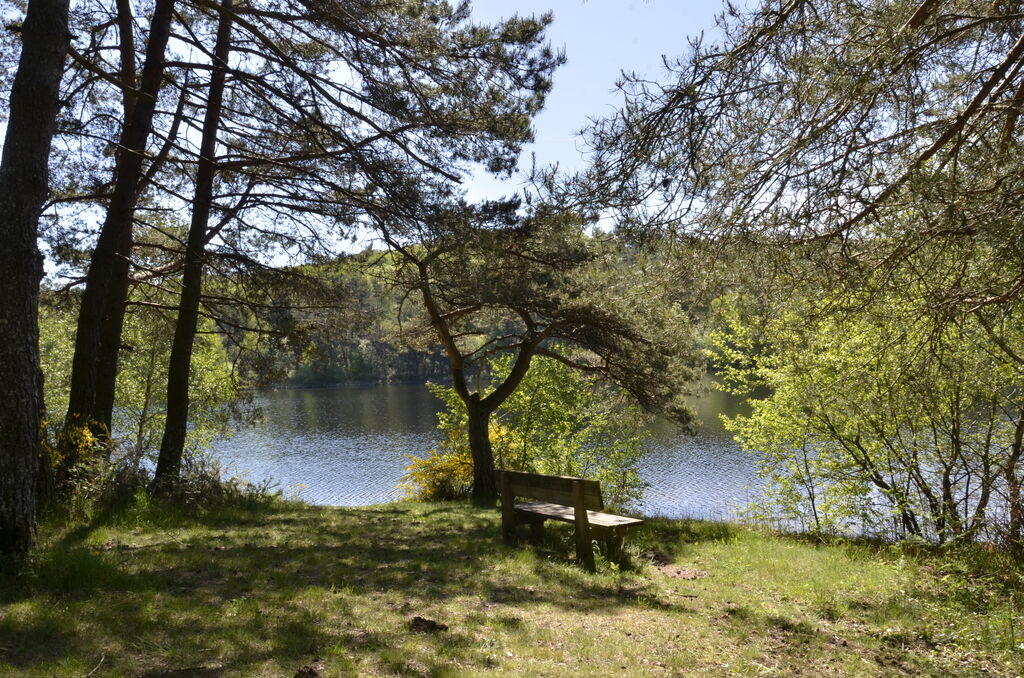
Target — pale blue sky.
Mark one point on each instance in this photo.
(601, 38)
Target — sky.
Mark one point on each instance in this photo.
(601, 38)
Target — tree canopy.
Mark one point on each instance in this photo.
(493, 281)
(874, 127)
(856, 167)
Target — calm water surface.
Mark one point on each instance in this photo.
(347, 447)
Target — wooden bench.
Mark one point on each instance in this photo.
(571, 500)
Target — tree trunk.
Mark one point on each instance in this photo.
(24, 180)
(101, 314)
(479, 410)
(172, 446)
(109, 347)
(485, 492)
(108, 351)
(46, 492)
(1014, 498)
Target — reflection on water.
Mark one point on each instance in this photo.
(705, 475)
(339, 447)
(347, 447)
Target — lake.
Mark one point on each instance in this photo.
(346, 447)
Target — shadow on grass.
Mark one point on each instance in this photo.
(284, 587)
(666, 540)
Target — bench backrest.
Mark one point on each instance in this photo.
(554, 489)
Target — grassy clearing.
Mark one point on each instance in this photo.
(292, 590)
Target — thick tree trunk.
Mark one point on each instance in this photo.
(172, 446)
(485, 491)
(109, 347)
(101, 315)
(24, 180)
(108, 351)
(479, 409)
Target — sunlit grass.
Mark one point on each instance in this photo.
(285, 590)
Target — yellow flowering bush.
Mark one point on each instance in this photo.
(446, 472)
(78, 442)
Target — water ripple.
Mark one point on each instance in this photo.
(347, 447)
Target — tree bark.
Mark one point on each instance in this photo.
(101, 315)
(172, 446)
(109, 347)
(1014, 498)
(46, 490)
(485, 491)
(24, 181)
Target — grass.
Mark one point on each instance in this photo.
(284, 589)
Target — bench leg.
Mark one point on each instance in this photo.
(584, 550)
(508, 512)
(508, 530)
(537, 530)
(613, 548)
(611, 542)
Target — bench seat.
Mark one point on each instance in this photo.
(568, 514)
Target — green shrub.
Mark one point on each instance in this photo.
(114, 489)
(559, 421)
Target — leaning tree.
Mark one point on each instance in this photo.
(493, 281)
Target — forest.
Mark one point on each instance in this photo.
(821, 204)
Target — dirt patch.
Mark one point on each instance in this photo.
(309, 671)
(679, 572)
(423, 625)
